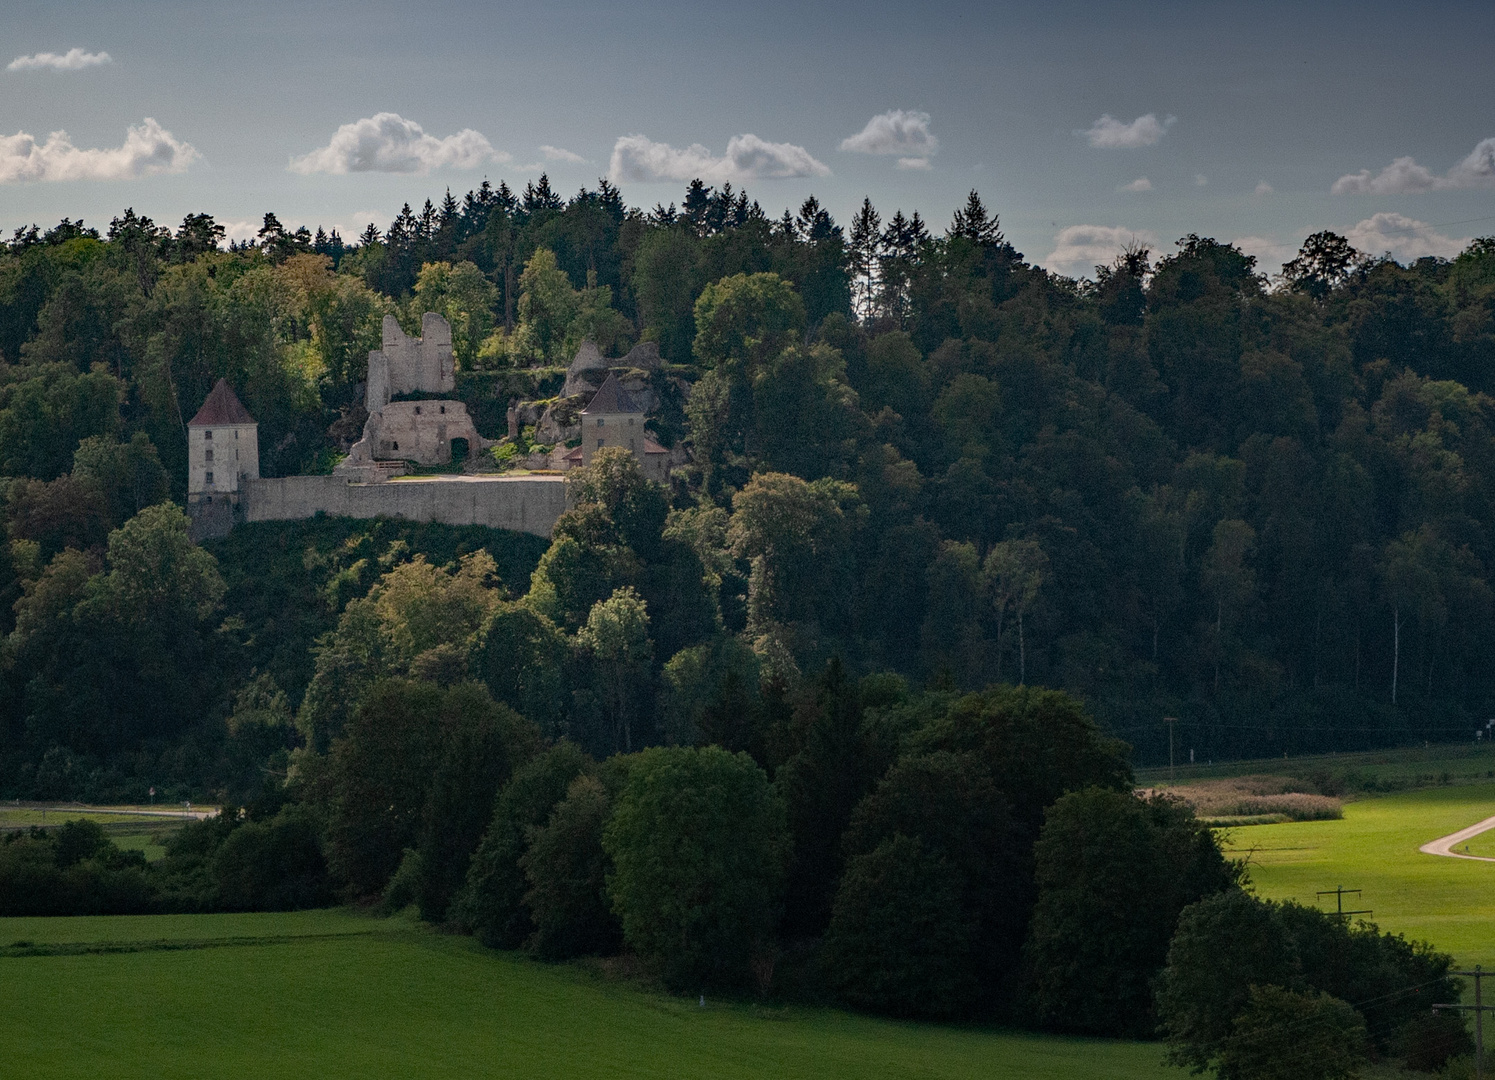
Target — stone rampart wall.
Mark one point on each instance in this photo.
(521, 504)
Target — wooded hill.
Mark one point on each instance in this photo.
(1262, 505)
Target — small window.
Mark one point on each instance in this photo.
(236, 433)
(236, 455)
(395, 446)
(208, 454)
(208, 476)
(631, 446)
(630, 421)
(417, 410)
(599, 421)
(443, 410)
(208, 434)
(600, 444)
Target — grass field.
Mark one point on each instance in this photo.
(1482, 845)
(1448, 902)
(330, 994)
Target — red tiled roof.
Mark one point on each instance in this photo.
(574, 455)
(222, 407)
(652, 447)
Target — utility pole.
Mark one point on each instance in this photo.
(1479, 1008)
(1339, 894)
(1170, 721)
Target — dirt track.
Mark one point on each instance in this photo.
(1444, 844)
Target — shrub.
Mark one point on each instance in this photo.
(949, 803)
(1113, 872)
(1227, 944)
(1259, 796)
(1283, 1035)
(900, 939)
(567, 868)
(273, 866)
(491, 904)
(699, 843)
(482, 742)
(75, 871)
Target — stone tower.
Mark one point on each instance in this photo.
(223, 448)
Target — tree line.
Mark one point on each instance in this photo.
(1178, 487)
(927, 854)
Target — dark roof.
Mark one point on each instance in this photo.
(222, 407)
(611, 399)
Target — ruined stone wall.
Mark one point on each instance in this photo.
(520, 504)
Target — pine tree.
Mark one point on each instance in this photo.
(696, 208)
(866, 245)
(540, 196)
(972, 222)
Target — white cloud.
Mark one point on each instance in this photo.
(1405, 177)
(640, 159)
(148, 149)
(1108, 133)
(1270, 255)
(1402, 237)
(72, 60)
(1263, 188)
(1200, 179)
(1138, 185)
(387, 142)
(914, 163)
(240, 231)
(1080, 248)
(897, 131)
(556, 153)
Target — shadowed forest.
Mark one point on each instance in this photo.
(847, 711)
(1184, 487)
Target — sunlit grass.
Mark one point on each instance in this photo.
(1448, 902)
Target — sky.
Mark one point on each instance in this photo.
(1085, 126)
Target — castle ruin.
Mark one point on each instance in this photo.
(224, 485)
(423, 431)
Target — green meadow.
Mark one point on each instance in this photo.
(331, 994)
(336, 994)
(1448, 902)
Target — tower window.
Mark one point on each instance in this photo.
(599, 421)
(600, 444)
(208, 476)
(417, 410)
(443, 410)
(208, 453)
(208, 434)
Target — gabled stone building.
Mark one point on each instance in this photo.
(223, 454)
(614, 418)
(223, 447)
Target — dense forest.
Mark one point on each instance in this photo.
(848, 710)
(1260, 505)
